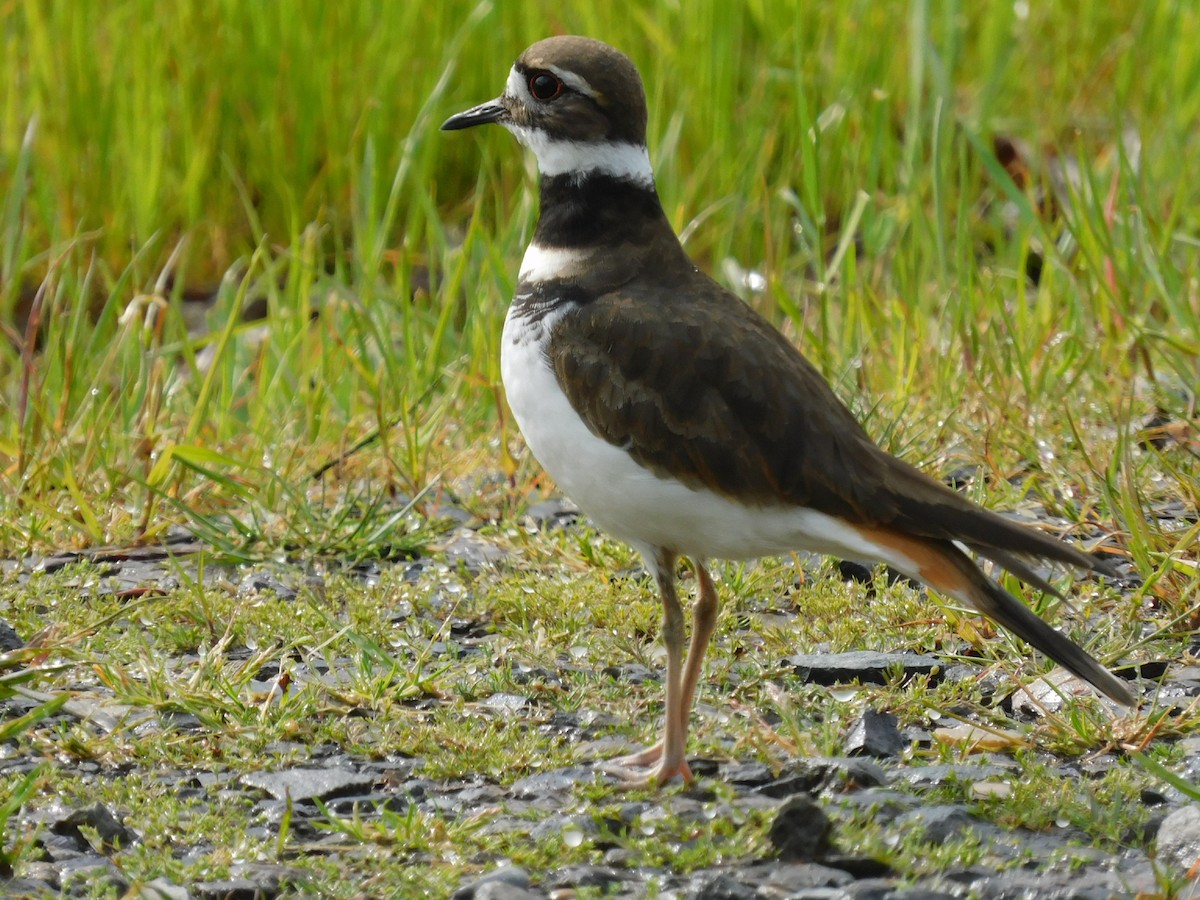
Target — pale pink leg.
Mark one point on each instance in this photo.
(682, 678)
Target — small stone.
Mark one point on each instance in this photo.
(805, 880)
(861, 867)
(232, 889)
(499, 890)
(32, 887)
(918, 893)
(467, 548)
(113, 835)
(725, 887)
(265, 583)
(999, 789)
(1179, 837)
(1073, 885)
(585, 876)
(508, 704)
(270, 875)
(801, 829)
(555, 512)
(975, 739)
(309, 784)
(632, 673)
(619, 857)
(749, 774)
(882, 805)
(556, 781)
(864, 666)
(1047, 694)
(872, 889)
(811, 775)
(513, 876)
(61, 847)
(1151, 797)
(93, 871)
(935, 775)
(875, 734)
(9, 639)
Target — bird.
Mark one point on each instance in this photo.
(685, 424)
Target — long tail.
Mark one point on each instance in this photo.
(995, 602)
(948, 570)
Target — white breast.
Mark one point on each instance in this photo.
(631, 502)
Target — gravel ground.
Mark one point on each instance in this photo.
(807, 799)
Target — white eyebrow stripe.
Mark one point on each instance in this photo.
(574, 82)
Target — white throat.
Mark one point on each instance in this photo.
(558, 157)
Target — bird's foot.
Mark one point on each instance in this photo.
(629, 768)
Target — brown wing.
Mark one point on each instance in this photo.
(699, 387)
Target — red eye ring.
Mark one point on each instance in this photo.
(545, 86)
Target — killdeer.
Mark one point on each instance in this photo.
(679, 419)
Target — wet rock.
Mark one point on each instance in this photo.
(265, 583)
(562, 826)
(557, 781)
(365, 804)
(9, 639)
(29, 886)
(861, 867)
(505, 704)
(800, 830)
(61, 847)
(881, 804)
(585, 876)
(498, 890)
(746, 774)
(1066, 886)
(857, 572)
(513, 876)
(633, 673)
(479, 795)
(308, 784)
(864, 666)
(875, 734)
(974, 739)
(271, 876)
(798, 880)
(1178, 837)
(1151, 797)
(557, 512)
(725, 886)
(468, 549)
(912, 893)
(932, 776)
(1047, 694)
(811, 775)
(937, 824)
(92, 871)
(233, 889)
(112, 833)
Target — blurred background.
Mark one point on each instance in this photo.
(233, 241)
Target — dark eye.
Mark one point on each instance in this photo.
(544, 86)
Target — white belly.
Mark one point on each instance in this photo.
(633, 503)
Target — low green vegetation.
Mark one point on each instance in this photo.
(249, 292)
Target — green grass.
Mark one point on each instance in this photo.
(286, 157)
